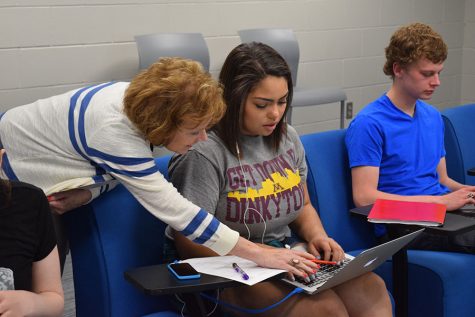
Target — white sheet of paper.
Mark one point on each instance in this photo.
(223, 266)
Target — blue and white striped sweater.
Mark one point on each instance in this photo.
(84, 133)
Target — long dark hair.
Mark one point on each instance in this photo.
(243, 69)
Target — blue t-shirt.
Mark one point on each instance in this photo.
(406, 149)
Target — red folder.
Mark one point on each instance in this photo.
(407, 212)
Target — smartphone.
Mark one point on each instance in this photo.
(183, 271)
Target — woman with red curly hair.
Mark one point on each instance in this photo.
(105, 131)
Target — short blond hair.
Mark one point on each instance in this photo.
(412, 42)
(172, 89)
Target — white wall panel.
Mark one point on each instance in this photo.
(49, 46)
(9, 65)
(397, 12)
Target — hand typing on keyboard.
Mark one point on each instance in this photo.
(323, 248)
(331, 254)
(324, 272)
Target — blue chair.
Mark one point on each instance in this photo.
(285, 42)
(107, 237)
(460, 142)
(329, 186)
(438, 281)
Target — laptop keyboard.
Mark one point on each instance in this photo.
(324, 273)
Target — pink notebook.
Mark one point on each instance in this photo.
(406, 212)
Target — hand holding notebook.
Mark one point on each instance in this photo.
(406, 212)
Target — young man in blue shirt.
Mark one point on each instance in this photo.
(396, 143)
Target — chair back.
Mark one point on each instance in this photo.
(151, 47)
(283, 41)
(460, 142)
(110, 235)
(329, 186)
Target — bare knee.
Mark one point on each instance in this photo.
(328, 303)
(373, 283)
(366, 296)
(331, 310)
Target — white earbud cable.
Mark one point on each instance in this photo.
(247, 202)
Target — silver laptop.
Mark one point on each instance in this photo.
(329, 276)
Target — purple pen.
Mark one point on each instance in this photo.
(240, 271)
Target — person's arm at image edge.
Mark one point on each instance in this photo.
(46, 297)
(365, 191)
(47, 284)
